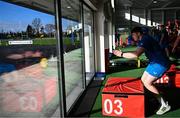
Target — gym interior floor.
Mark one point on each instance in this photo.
(90, 104)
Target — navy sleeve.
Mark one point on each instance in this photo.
(143, 43)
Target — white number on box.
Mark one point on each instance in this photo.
(28, 103)
(109, 110)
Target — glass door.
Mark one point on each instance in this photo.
(72, 46)
(89, 43)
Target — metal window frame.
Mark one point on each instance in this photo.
(85, 4)
(61, 75)
(63, 110)
(83, 46)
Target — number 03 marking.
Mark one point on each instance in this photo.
(109, 110)
(119, 105)
(28, 103)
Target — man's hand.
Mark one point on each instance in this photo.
(117, 53)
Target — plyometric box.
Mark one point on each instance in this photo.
(177, 79)
(168, 78)
(123, 97)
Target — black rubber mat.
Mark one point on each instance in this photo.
(84, 105)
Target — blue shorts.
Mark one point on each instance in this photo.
(156, 69)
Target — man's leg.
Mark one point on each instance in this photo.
(148, 80)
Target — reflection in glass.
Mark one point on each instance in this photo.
(72, 38)
(28, 61)
(88, 44)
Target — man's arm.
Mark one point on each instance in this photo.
(129, 55)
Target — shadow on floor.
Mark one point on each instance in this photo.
(170, 94)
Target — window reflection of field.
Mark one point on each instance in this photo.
(32, 89)
(73, 70)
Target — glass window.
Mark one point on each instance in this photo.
(135, 18)
(88, 43)
(72, 42)
(154, 24)
(127, 16)
(143, 21)
(149, 23)
(28, 61)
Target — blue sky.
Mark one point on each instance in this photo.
(16, 18)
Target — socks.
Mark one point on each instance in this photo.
(161, 100)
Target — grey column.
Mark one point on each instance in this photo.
(175, 13)
(151, 17)
(163, 17)
(146, 16)
(110, 37)
(130, 23)
(113, 33)
(99, 32)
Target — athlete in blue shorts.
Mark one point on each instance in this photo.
(158, 63)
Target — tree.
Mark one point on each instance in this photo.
(42, 30)
(49, 28)
(36, 23)
(42, 33)
(29, 31)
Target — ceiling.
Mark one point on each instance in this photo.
(138, 9)
(148, 3)
(46, 6)
(69, 8)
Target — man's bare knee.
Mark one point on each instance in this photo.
(147, 84)
(143, 80)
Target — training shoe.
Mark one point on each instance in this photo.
(163, 109)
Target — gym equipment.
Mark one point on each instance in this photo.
(169, 78)
(123, 97)
(177, 79)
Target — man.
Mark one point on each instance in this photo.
(158, 59)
